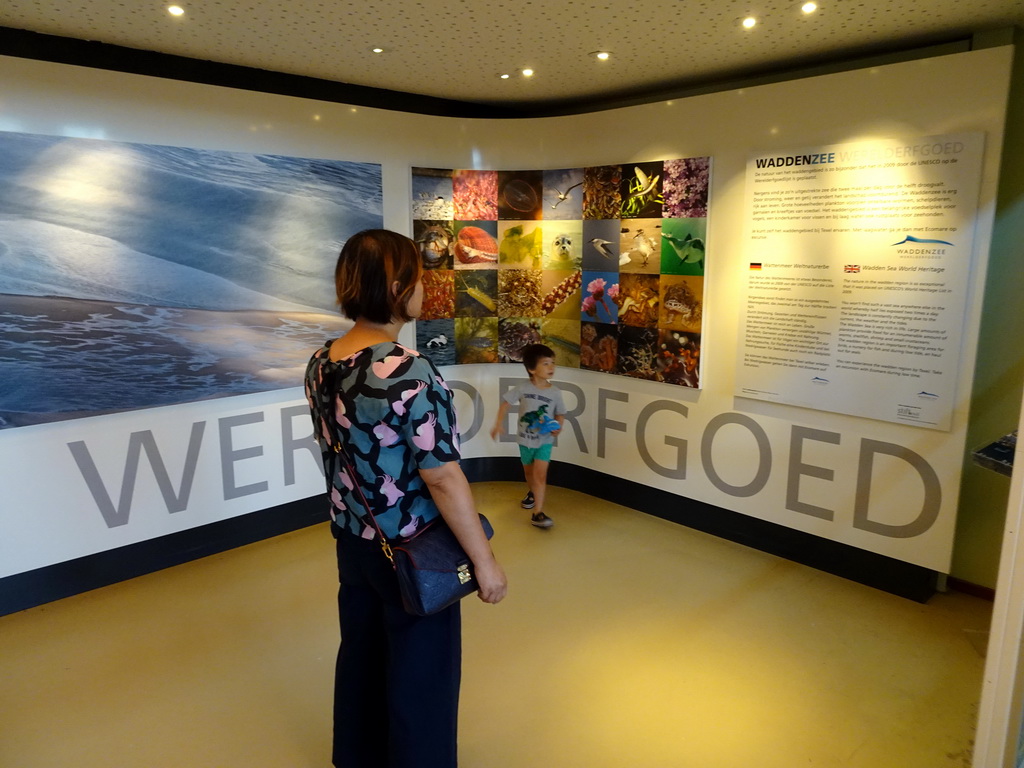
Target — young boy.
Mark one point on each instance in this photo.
(541, 413)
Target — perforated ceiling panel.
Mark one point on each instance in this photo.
(459, 48)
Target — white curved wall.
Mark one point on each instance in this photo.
(726, 441)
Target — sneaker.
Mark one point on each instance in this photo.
(541, 520)
(527, 502)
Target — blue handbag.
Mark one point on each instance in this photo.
(433, 569)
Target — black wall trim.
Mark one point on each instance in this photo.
(887, 573)
(26, 590)
(879, 571)
(54, 582)
(86, 53)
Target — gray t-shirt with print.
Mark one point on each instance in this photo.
(537, 410)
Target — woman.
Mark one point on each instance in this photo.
(397, 677)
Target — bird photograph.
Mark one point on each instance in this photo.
(683, 246)
(599, 244)
(562, 197)
(602, 247)
(640, 246)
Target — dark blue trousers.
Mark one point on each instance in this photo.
(396, 691)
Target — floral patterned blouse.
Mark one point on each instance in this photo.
(394, 416)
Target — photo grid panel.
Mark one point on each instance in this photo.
(604, 264)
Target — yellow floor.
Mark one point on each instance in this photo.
(625, 642)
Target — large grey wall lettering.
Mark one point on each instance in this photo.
(468, 433)
(229, 455)
(572, 415)
(290, 443)
(764, 464)
(678, 472)
(932, 491)
(798, 468)
(603, 422)
(176, 501)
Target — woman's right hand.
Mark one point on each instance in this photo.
(492, 581)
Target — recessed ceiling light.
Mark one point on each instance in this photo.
(503, 77)
(527, 73)
(749, 22)
(809, 7)
(603, 55)
(175, 10)
(377, 50)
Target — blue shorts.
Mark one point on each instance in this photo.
(530, 455)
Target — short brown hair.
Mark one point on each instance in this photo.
(371, 262)
(533, 353)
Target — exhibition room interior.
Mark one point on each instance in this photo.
(794, 552)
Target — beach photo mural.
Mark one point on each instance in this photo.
(603, 264)
(134, 276)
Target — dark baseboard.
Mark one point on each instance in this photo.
(43, 585)
(54, 582)
(885, 573)
(974, 590)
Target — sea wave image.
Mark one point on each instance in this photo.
(137, 275)
(68, 358)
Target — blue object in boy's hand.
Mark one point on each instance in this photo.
(548, 426)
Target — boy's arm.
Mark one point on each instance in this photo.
(502, 411)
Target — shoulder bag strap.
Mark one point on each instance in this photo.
(384, 544)
(340, 452)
